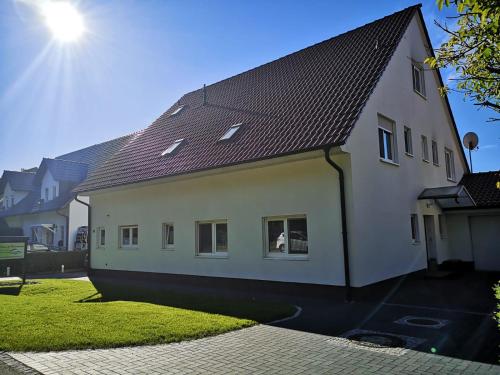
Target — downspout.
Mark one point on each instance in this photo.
(89, 232)
(347, 273)
(66, 229)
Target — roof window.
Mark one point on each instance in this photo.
(172, 147)
(177, 110)
(230, 132)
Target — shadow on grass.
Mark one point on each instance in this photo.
(242, 308)
(11, 288)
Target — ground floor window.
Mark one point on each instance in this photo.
(168, 236)
(129, 236)
(211, 237)
(286, 236)
(443, 232)
(415, 235)
(101, 237)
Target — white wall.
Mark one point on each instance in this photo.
(8, 193)
(243, 198)
(49, 182)
(385, 195)
(78, 217)
(27, 221)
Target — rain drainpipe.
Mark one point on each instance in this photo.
(347, 273)
(89, 231)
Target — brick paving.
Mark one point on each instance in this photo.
(260, 349)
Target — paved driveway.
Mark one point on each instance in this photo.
(464, 340)
(258, 350)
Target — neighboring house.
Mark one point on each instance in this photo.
(15, 186)
(245, 178)
(48, 213)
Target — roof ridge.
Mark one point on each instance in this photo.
(11, 171)
(66, 161)
(414, 7)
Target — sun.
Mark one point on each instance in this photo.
(64, 20)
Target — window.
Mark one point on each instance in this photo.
(54, 192)
(415, 235)
(168, 236)
(425, 149)
(286, 236)
(387, 146)
(46, 194)
(435, 156)
(101, 237)
(418, 80)
(177, 110)
(12, 201)
(172, 147)
(408, 141)
(212, 238)
(443, 231)
(450, 164)
(129, 236)
(230, 132)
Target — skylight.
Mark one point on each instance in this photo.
(230, 132)
(177, 110)
(172, 147)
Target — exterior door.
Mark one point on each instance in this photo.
(430, 240)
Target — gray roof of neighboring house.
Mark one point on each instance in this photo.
(62, 170)
(19, 181)
(484, 188)
(304, 101)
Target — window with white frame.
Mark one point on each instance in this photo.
(408, 141)
(435, 156)
(418, 79)
(386, 139)
(286, 236)
(211, 237)
(443, 231)
(101, 237)
(168, 236)
(54, 192)
(449, 164)
(230, 132)
(170, 149)
(415, 234)
(177, 110)
(12, 201)
(425, 149)
(129, 236)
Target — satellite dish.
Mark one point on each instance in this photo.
(471, 140)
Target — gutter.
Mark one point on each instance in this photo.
(89, 231)
(347, 273)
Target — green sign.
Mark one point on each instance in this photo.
(11, 250)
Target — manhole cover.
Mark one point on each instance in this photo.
(378, 340)
(419, 321)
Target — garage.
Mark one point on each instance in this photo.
(485, 236)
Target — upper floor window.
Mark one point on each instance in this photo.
(408, 141)
(386, 140)
(129, 236)
(168, 236)
(172, 147)
(449, 164)
(425, 149)
(230, 132)
(54, 192)
(211, 237)
(435, 156)
(418, 79)
(46, 194)
(12, 201)
(286, 236)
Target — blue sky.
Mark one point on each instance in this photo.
(139, 56)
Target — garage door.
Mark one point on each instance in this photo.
(485, 232)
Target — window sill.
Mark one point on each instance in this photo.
(420, 94)
(409, 155)
(436, 165)
(287, 257)
(129, 248)
(212, 256)
(426, 161)
(451, 179)
(415, 242)
(167, 249)
(390, 162)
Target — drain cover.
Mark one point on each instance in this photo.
(378, 340)
(419, 321)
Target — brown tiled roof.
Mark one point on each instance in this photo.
(307, 100)
(483, 189)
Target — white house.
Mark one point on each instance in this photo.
(43, 205)
(245, 178)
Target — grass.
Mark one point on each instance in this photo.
(48, 315)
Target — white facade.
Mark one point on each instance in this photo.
(12, 197)
(49, 189)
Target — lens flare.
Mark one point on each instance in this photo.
(63, 20)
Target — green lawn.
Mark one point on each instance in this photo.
(65, 314)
